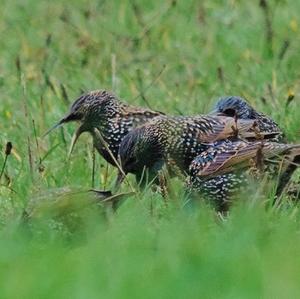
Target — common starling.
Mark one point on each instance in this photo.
(238, 107)
(223, 169)
(107, 119)
(175, 142)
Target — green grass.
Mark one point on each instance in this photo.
(182, 55)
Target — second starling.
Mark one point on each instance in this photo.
(175, 142)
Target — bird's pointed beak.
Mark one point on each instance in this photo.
(69, 117)
(75, 137)
(57, 125)
(216, 112)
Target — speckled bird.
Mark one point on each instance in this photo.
(107, 119)
(175, 142)
(238, 107)
(223, 169)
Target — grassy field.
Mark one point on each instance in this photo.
(174, 56)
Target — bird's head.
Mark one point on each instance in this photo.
(89, 110)
(140, 151)
(234, 106)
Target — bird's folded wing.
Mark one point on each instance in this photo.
(225, 127)
(238, 155)
(219, 128)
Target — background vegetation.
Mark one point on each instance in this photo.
(174, 56)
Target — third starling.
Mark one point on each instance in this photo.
(238, 107)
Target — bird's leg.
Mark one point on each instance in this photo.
(163, 180)
(257, 164)
(259, 158)
(163, 186)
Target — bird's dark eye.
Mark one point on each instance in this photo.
(230, 112)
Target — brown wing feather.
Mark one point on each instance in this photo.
(223, 128)
(225, 159)
(240, 156)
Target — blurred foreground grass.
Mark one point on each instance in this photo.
(174, 56)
